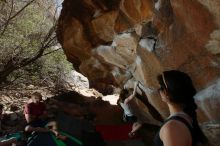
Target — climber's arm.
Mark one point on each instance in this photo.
(133, 94)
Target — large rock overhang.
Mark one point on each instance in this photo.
(114, 42)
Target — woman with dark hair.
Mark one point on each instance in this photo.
(128, 115)
(181, 127)
(125, 100)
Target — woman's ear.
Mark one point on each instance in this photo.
(166, 95)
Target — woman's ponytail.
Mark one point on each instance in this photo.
(181, 91)
(198, 135)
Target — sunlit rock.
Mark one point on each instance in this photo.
(120, 41)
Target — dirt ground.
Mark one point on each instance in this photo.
(89, 104)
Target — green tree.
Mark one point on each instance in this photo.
(27, 33)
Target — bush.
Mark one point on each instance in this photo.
(29, 51)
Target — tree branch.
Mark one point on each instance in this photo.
(44, 46)
(7, 22)
(51, 52)
(15, 65)
(12, 17)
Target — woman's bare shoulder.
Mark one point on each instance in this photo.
(175, 133)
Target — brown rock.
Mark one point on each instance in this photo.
(113, 42)
(104, 26)
(212, 131)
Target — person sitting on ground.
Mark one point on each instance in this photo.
(35, 115)
(124, 101)
(3, 141)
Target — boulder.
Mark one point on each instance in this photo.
(120, 41)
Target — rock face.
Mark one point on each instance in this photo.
(116, 42)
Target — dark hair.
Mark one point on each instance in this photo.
(181, 91)
(123, 94)
(1, 106)
(36, 94)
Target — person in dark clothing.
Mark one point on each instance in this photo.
(36, 114)
(181, 127)
(5, 141)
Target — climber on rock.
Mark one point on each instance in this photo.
(132, 111)
(125, 101)
(128, 115)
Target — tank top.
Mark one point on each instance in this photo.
(127, 109)
(159, 142)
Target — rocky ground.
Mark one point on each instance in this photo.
(91, 107)
(88, 102)
(78, 100)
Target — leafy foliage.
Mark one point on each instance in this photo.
(29, 51)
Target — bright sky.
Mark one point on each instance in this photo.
(59, 4)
